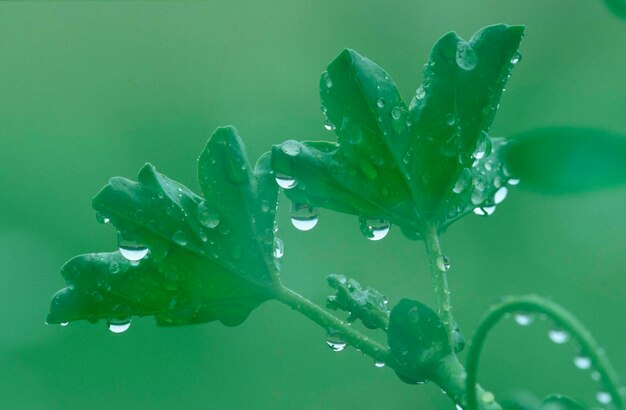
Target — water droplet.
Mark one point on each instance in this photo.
(114, 267)
(420, 93)
(513, 181)
(374, 228)
(327, 81)
(379, 364)
(582, 362)
(180, 238)
(303, 216)
(483, 148)
(291, 148)
(463, 182)
(102, 219)
(65, 323)
(443, 263)
(517, 57)
(450, 119)
(487, 397)
(130, 249)
(380, 102)
(279, 248)
(335, 340)
(500, 195)
(604, 397)
(524, 319)
(466, 57)
(119, 326)
(558, 336)
(285, 182)
(207, 217)
(485, 210)
(396, 113)
(328, 125)
(595, 376)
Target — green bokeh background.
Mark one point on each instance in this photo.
(90, 90)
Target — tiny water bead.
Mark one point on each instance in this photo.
(130, 249)
(303, 216)
(463, 182)
(443, 263)
(374, 229)
(513, 181)
(582, 362)
(380, 102)
(291, 148)
(328, 125)
(119, 326)
(604, 397)
(485, 210)
(102, 218)
(279, 248)
(524, 319)
(558, 336)
(207, 217)
(517, 57)
(285, 181)
(483, 148)
(450, 119)
(63, 324)
(500, 195)
(379, 364)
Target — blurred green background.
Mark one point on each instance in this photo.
(90, 90)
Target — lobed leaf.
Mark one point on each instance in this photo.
(209, 258)
(402, 164)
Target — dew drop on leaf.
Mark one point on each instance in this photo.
(380, 102)
(466, 57)
(513, 181)
(483, 148)
(463, 182)
(303, 216)
(420, 93)
(517, 57)
(102, 218)
(450, 119)
(328, 125)
(500, 195)
(524, 319)
(291, 148)
(180, 238)
(558, 336)
(279, 248)
(63, 324)
(379, 364)
(207, 217)
(582, 362)
(374, 229)
(119, 326)
(396, 113)
(130, 249)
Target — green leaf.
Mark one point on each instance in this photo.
(558, 402)
(368, 305)
(567, 159)
(402, 164)
(418, 339)
(209, 258)
(617, 7)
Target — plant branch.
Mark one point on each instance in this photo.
(563, 319)
(439, 280)
(450, 375)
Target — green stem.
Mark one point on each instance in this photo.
(450, 376)
(563, 319)
(439, 280)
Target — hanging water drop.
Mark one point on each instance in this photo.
(285, 181)
(483, 148)
(513, 181)
(558, 336)
(328, 125)
(63, 324)
(303, 216)
(500, 195)
(335, 340)
(524, 319)
(130, 249)
(379, 364)
(279, 248)
(443, 263)
(582, 362)
(374, 228)
(119, 326)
